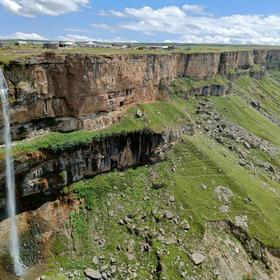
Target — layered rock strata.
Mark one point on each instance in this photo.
(67, 93)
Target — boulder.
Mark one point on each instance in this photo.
(172, 198)
(93, 274)
(197, 258)
(168, 215)
(223, 194)
(139, 113)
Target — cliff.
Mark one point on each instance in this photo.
(67, 93)
(162, 199)
(41, 176)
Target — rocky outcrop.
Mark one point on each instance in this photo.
(85, 87)
(67, 93)
(43, 175)
(211, 90)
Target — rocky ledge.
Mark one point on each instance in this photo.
(42, 175)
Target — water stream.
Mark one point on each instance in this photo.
(10, 179)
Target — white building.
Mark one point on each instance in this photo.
(21, 43)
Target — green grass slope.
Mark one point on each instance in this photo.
(196, 162)
(238, 111)
(265, 91)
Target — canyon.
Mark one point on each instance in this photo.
(79, 118)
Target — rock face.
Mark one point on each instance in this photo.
(84, 88)
(44, 176)
(211, 90)
(66, 93)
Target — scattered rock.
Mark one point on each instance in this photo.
(248, 200)
(172, 198)
(168, 215)
(255, 104)
(185, 225)
(204, 187)
(247, 145)
(223, 194)
(93, 274)
(95, 260)
(158, 215)
(241, 221)
(170, 241)
(224, 209)
(197, 258)
(113, 260)
(139, 113)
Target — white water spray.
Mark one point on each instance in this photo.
(10, 179)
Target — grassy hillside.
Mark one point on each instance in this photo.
(191, 173)
(124, 215)
(265, 91)
(238, 111)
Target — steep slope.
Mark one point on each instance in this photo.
(200, 201)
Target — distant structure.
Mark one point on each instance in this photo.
(70, 44)
(21, 43)
(91, 45)
(51, 45)
(155, 47)
(1, 45)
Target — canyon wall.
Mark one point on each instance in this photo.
(73, 92)
(42, 175)
(67, 93)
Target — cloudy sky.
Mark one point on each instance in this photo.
(194, 21)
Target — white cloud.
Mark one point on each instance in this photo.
(76, 30)
(192, 24)
(75, 37)
(193, 8)
(24, 36)
(112, 13)
(101, 26)
(32, 8)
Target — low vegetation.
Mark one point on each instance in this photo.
(190, 173)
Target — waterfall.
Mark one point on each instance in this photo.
(10, 179)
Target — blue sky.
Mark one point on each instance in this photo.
(196, 21)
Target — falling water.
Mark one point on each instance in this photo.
(10, 179)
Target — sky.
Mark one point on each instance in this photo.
(194, 21)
